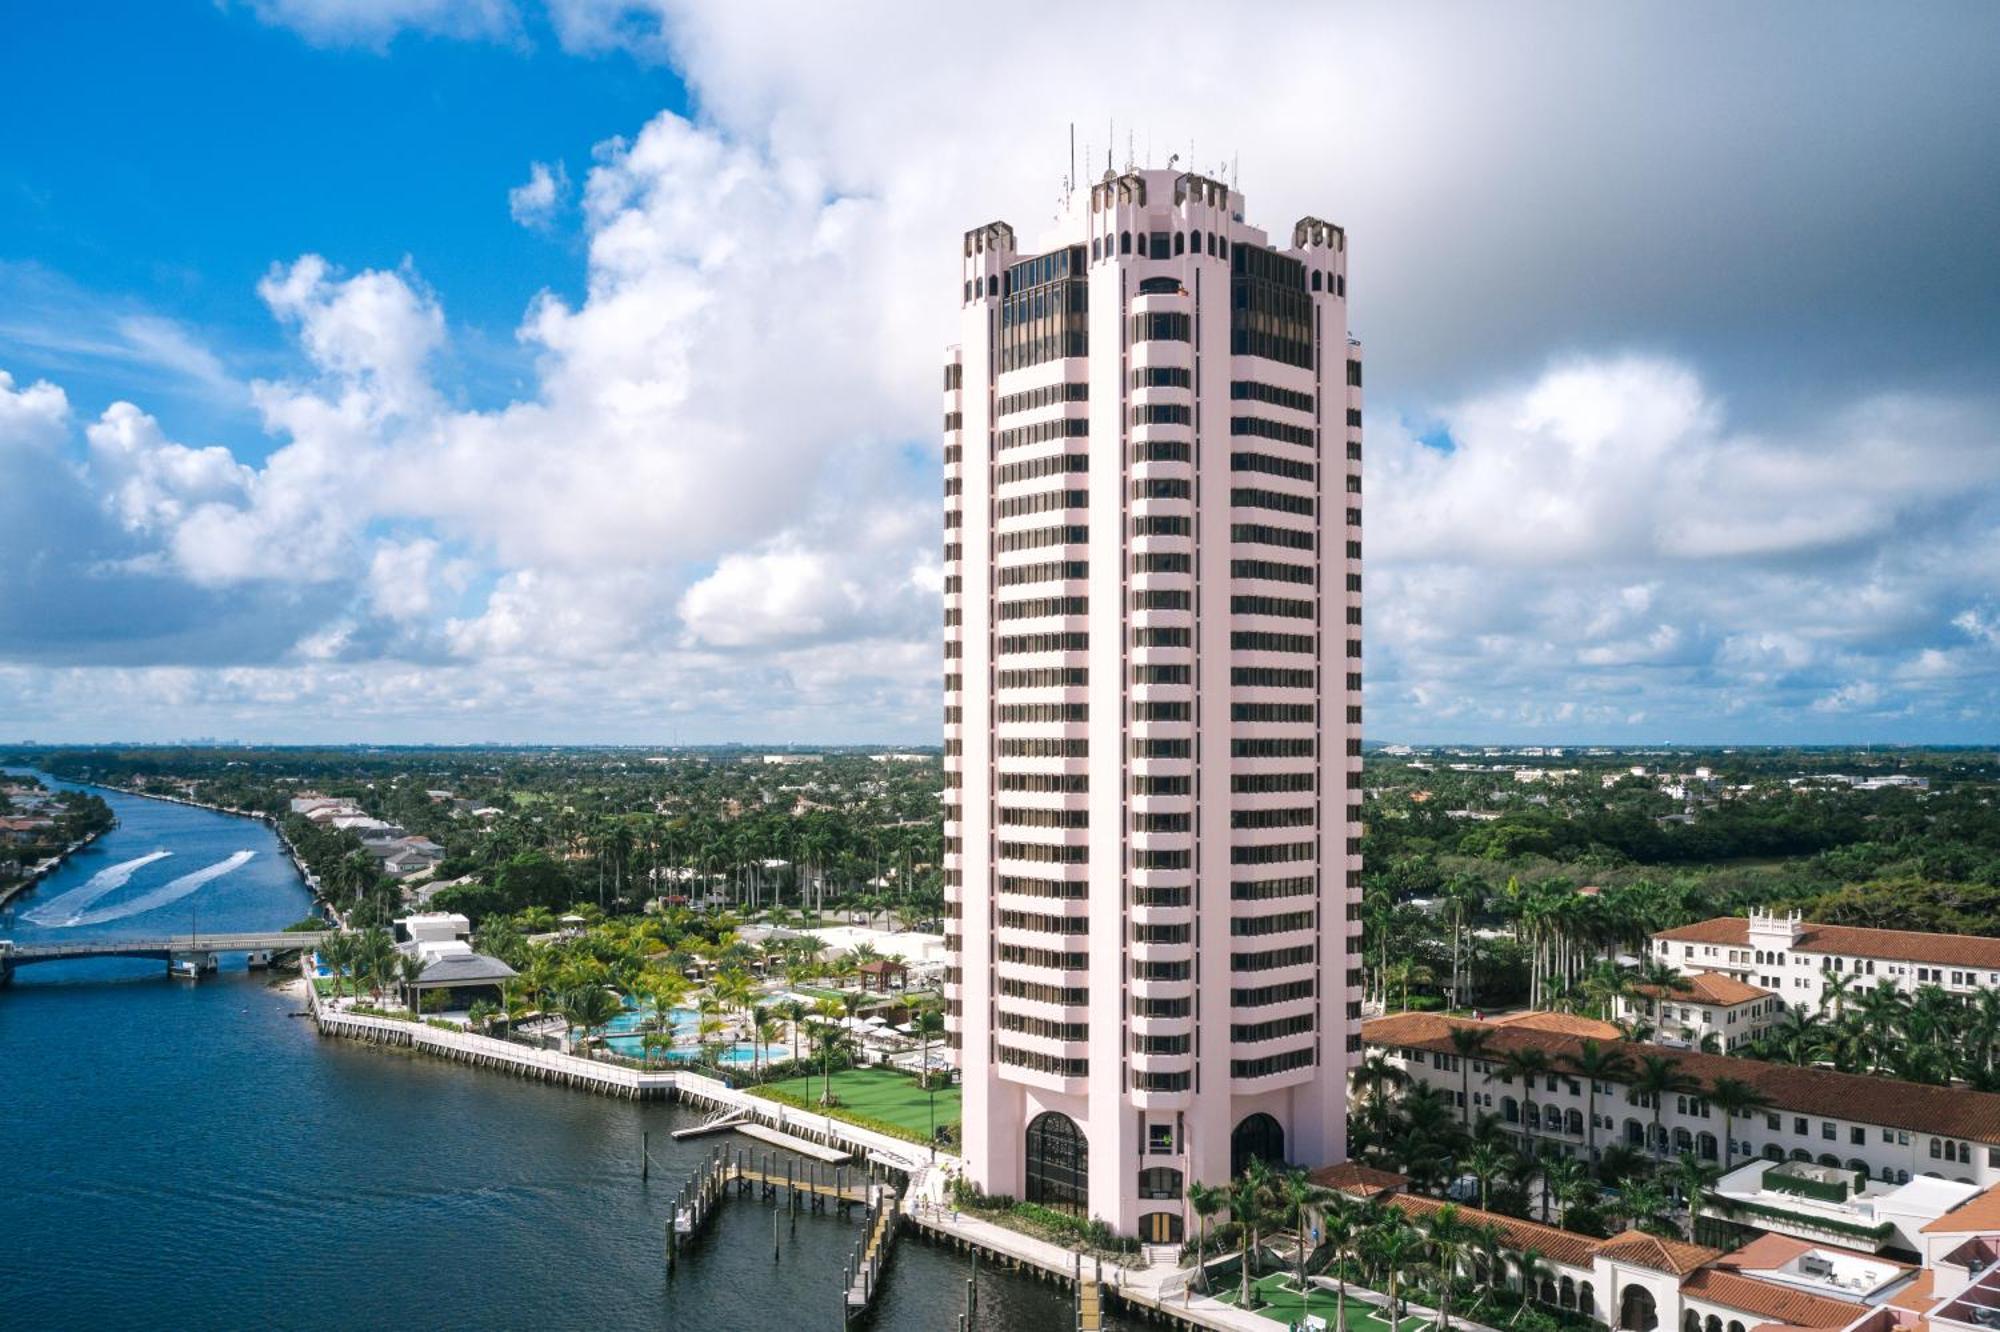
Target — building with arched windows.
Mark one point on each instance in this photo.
(1152, 699)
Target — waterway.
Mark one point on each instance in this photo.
(193, 1155)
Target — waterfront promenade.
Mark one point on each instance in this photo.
(1159, 1289)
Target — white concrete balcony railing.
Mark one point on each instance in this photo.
(1046, 1045)
(1162, 1026)
(1010, 832)
(1151, 395)
(1050, 1082)
(1162, 1063)
(1036, 1008)
(1161, 989)
(1068, 907)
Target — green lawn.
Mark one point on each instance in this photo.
(878, 1093)
(1282, 1304)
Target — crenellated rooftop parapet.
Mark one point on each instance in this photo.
(1312, 231)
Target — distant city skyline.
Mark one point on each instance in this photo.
(565, 373)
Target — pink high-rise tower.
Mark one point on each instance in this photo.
(1152, 699)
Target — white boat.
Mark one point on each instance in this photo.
(185, 966)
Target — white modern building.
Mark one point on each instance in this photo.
(1152, 698)
(1801, 962)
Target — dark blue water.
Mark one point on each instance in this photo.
(194, 1156)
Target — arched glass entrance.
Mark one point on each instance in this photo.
(1058, 1162)
(1260, 1137)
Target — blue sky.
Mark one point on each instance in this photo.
(508, 370)
(177, 150)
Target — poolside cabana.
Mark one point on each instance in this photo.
(879, 972)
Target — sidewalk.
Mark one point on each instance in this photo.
(1161, 1287)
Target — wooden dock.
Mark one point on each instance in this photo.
(791, 1183)
(864, 1269)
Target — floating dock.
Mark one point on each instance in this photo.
(818, 1152)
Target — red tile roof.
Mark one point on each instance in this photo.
(1774, 1250)
(1662, 1255)
(1980, 1212)
(1563, 1024)
(1952, 950)
(1555, 1244)
(1767, 1299)
(1919, 1107)
(1915, 1297)
(1707, 987)
(1360, 1180)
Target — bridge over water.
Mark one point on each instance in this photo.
(166, 948)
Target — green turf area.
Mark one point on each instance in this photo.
(879, 1093)
(1280, 1303)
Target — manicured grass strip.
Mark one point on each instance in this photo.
(1280, 1303)
(875, 1093)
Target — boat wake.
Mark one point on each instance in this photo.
(65, 909)
(166, 894)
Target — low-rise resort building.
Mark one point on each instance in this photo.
(1889, 1131)
(1801, 962)
(1638, 1282)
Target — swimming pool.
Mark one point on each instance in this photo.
(625, 1035)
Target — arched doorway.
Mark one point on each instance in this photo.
(1636, 1310)
(1160, 1228)
(1258, 1137)
(1058, 1162)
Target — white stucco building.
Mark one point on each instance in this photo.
(1152, 698)
(1709, 1004)
(1800, 961)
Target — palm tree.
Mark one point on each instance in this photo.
(1375, 1077)
(1528, 1063)
(410, 970)
(850, 1004)
(1395, 1242)
(1206, 1202)
(1341, 1232)
(480, 1015)
(1300, 1195)
(827, 1039)
(795, 1011)
(1644, 1203)
(1596, 1063)
(1249, 1199)
(1658, 1077)
(590, 1007)
(1451, 1243)
(1736, 1099)
(764, 1030)
(1694, 1176)
(1568, 1179)
(651, 1043)
(1528, 1265)
(1467, 1044)
(928, 1026)
(1485, 1163)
